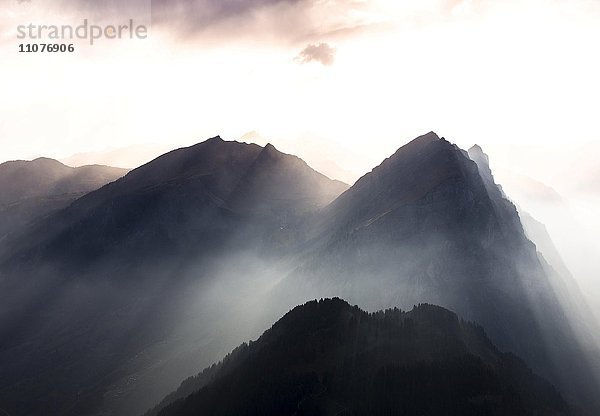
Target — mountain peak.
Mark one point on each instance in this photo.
(420, 141)
(270, 150)
(477, 154)
(47, 160)
(476, 148)
(408, 175)
(278, 183)
(428, 137)
(270, 156)
(416, 145)
(482, 160)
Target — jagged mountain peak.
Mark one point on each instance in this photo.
(270, 148)
(413, 171)
(270, 153)
(477, 154)
(280, 184)
(416, 145)
(413, 152)
(482, 160)
(427, 137)
(477, 149)
(225, 161)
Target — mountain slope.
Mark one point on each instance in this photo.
(187, 198)
(102, 285)
(563, 284)
(294, 187)
(33, 189)
(329, 358)
(428, 225)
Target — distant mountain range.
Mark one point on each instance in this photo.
(329, 358)
(117, 297)
(127, 157)
(33, 189)
(175, 202)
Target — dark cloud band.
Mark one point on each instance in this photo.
(297, 21)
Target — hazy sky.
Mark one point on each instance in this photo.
(365, 75)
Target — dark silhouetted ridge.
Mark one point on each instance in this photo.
(329, 358)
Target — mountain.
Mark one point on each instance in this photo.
(329, 358)
(33, 189)
(128, 157)
(101, 289)
(292, 188)
(45, 177)
(162, 206)
(429, 225)
(320, 153)
(113, 300)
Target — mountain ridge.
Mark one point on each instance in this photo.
(20, 179)
(30, 190)
(205, 175)
(335, 353)
(141, 250)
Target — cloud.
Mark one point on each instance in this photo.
(224, 19)
(321, 52)
(210, 12)
(282, 21)
(277, 21)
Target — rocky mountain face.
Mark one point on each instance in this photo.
(428, 225)
(33, 189)
(329, 358)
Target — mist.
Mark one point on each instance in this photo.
(556, 189)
